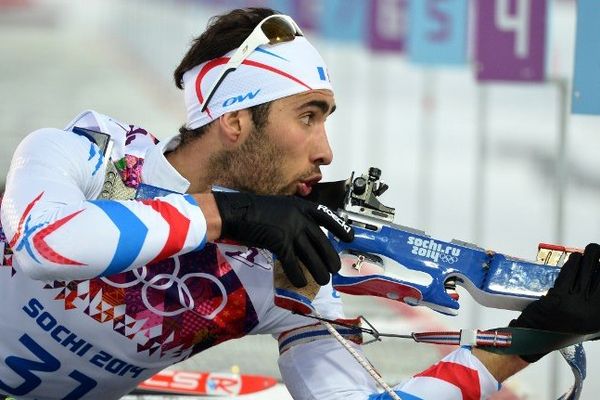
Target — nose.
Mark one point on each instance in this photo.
(322, 154)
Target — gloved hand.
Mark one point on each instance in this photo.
(573, 304)
(289, 227)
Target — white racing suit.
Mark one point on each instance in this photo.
(80, 319)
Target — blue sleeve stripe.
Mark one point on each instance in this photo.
(385, 396)
(190, 199)
(132, 233)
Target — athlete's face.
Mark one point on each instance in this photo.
(285, 156)
(296, 128)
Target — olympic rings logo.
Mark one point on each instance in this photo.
(166, 281)
(448, 259)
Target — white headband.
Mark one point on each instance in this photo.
(269, 73)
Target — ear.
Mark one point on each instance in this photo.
(235, 127)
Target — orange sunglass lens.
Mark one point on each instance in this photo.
(278, 30)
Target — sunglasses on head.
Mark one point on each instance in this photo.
(272, 30)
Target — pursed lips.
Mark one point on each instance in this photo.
(304, 187)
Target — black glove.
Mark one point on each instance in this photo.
(573, 304)
(289, 227)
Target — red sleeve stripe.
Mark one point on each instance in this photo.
(465, 378)
(178, 228)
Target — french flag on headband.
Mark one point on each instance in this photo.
(323, 74)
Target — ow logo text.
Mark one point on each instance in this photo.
(240, 98)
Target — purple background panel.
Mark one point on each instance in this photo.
(496, 47)
(306, 13)
(387, 25)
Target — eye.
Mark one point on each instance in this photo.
(307, 119)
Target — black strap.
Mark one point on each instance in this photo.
(536, 341)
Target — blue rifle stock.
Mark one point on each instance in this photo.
(405, 264)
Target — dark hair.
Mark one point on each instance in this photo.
(223, 34)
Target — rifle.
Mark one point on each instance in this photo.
(405, 264)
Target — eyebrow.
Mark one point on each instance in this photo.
(320, 104)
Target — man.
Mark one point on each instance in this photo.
(111, 274)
